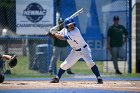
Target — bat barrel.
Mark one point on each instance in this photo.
(77, 13)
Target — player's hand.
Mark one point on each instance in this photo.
(53, 29)
(49, 34)
(53, 33)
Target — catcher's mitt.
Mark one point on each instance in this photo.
(13, 62)
(1, 78)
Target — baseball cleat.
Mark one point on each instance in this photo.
(69, 72)
(55, 80)
(118, 72)
(99, 81)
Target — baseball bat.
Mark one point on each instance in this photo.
(77, 13)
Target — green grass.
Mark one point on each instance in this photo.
(81, 67)
(22, 70)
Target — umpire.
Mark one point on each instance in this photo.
(117, 37)
(59, 49)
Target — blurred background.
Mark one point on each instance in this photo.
(23, 24)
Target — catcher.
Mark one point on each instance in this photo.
(12, 58)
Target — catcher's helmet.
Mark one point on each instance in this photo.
(1, 78)
(68, 21)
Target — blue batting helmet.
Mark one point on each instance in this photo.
(68, 21)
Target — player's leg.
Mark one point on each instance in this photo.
(122, 52)
(54, 58)
(114, 53)
(72, 58)
(69, 62)
(65, 53)
(1, 65)
(86, 55)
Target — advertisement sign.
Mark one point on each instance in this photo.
(34, 17)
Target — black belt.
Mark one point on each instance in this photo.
(80, 48)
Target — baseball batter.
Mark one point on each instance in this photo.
(80, 49)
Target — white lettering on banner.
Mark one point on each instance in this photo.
(95, 44)
(98, 45)
(34, 17)
(33, 25)
(43, 13)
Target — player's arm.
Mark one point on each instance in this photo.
(6, 57)
(125, 38)
(59, 36)
(126, 34)
(108, 44)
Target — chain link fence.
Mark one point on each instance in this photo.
(35, 50)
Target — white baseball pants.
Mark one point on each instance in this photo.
(74, 56)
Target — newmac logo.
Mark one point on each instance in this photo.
(34, 12)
